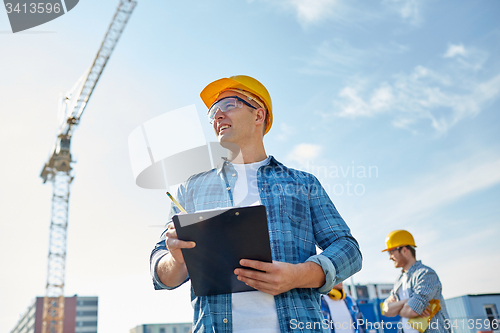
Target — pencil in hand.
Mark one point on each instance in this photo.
(176, 203)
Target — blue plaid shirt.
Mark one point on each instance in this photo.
(300, 215)
(424, 285)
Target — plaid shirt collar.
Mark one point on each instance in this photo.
(225, 162)
(413, 268)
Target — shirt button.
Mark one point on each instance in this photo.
(234, 175)
(228, 188)
(225, 320)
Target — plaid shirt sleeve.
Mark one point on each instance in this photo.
(160, 250)
(394, 290)
(341, 256)
(426, 287)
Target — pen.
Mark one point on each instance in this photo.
(176, 203)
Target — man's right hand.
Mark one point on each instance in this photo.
(427, 312)
(174, 244)
(171, 269)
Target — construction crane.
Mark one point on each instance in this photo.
(58, 170)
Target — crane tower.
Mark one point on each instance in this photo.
(57, 170)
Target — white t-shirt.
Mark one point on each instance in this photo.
(340, 315)
(253, 311)
(403, 293)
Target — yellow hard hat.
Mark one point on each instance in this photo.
(398, 238)
(242, 82)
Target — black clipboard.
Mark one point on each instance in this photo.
(223, 237)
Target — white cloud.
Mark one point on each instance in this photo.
(348, 13)
(379, 101)
(307, 11)
(382, 97)
(304, 152)
(356, 105)
(454, 50)
(467, 58)
(409, 10)
(311, 11)
(441, 98)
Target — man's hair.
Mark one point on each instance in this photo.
(265, 118)
(260, 104)
(265, 122)
(412, 251)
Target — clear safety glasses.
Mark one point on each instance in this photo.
(226, 104)
(394, 250)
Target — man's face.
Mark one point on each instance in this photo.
(237, 124)
(396, 256)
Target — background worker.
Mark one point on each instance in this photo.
(342, 312)
(300, 215)
(415, 287)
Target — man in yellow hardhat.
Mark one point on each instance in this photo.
(299, 212)
(417, 291)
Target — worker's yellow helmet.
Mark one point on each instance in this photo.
(239, 82)
(398, 238)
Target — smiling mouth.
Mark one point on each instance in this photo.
(223, 128)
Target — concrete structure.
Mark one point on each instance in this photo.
(80, 316)
(163, 328)
(474, 313)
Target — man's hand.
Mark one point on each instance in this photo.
(392, 307)
(171, 269)
(427, 312)
(391, 299)
(279, 277)
(386, 306)
(174, 245)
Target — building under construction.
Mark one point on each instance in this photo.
(80, 316)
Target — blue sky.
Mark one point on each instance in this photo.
(407, 89)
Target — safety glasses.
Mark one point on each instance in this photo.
(394, 250)
(226, 104)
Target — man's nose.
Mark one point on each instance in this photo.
(219, 114)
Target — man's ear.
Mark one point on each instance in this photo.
(260, 115)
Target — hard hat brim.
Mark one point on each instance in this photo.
(392, 248)
(210, 93)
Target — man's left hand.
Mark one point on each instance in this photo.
(279, 277)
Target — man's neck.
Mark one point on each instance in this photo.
(408, 265)
(247, 154)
